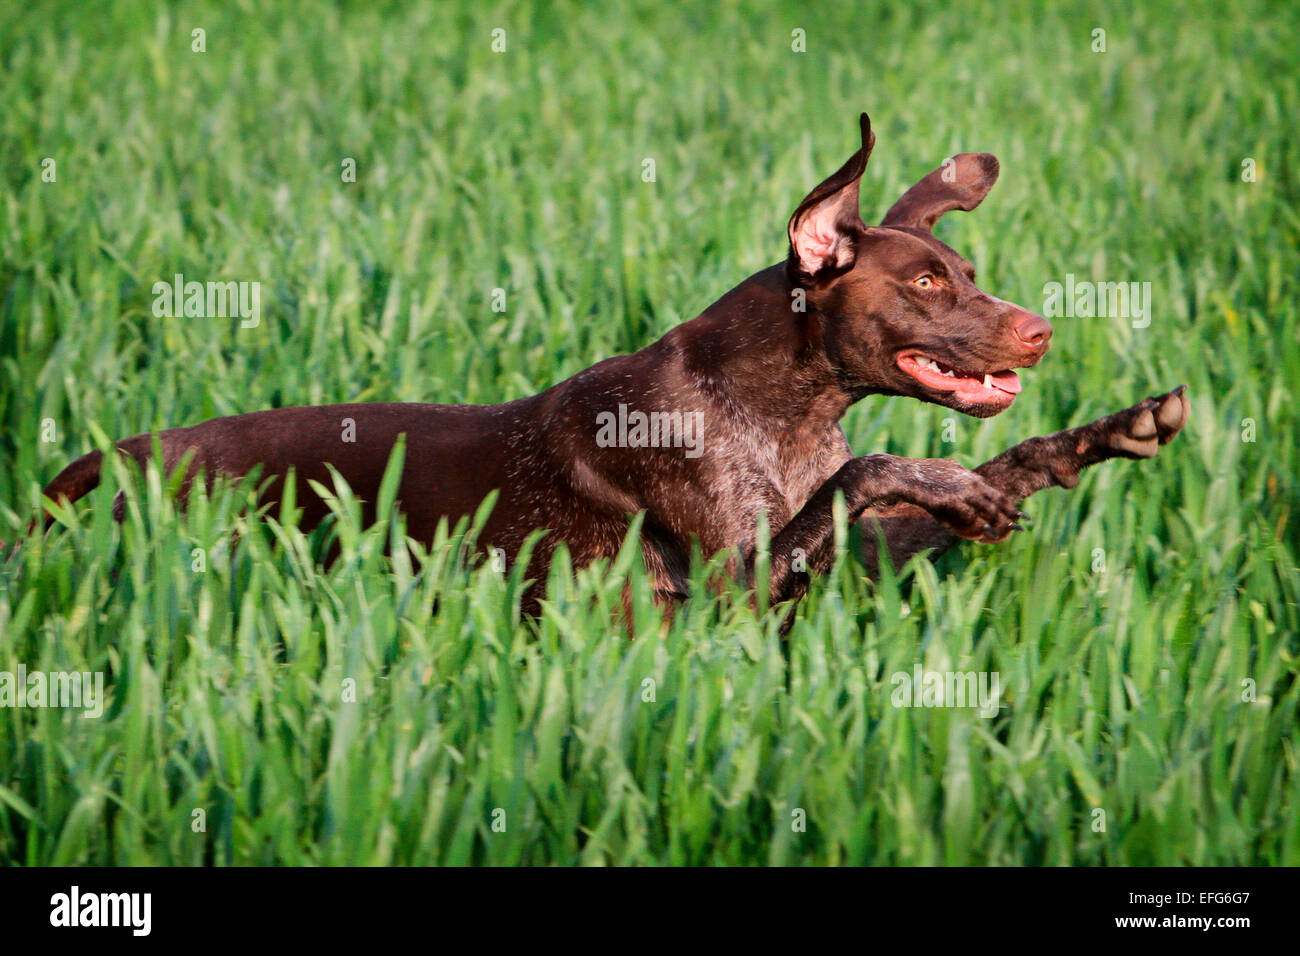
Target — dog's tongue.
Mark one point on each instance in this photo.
(1008, 381)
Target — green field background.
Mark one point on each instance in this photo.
(263, 709)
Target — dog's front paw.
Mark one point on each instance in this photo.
(961, 499)
(1138, 432)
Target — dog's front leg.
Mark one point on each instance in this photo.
(1044, 462)
(957, 498)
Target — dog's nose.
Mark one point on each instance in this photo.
(1034, 330)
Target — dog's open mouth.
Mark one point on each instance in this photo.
(975, 388)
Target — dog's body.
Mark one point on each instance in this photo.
(767, 372)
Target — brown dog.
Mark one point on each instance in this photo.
(729, 417)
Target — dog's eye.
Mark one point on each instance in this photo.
(924, 282)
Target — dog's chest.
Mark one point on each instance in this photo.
(799, 464)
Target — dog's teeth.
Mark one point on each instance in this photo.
(988, 380)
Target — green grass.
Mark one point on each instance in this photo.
(1121, 692)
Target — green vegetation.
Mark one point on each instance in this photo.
(1161, 691)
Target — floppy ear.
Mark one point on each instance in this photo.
(960, 183)
(821, 229)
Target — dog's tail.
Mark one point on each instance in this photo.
(78, 479)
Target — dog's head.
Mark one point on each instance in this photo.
(903, 313)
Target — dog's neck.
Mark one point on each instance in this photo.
(755, 347)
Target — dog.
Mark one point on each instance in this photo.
(729, 418)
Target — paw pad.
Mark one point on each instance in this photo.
(1140, 440)
(1172, 413)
